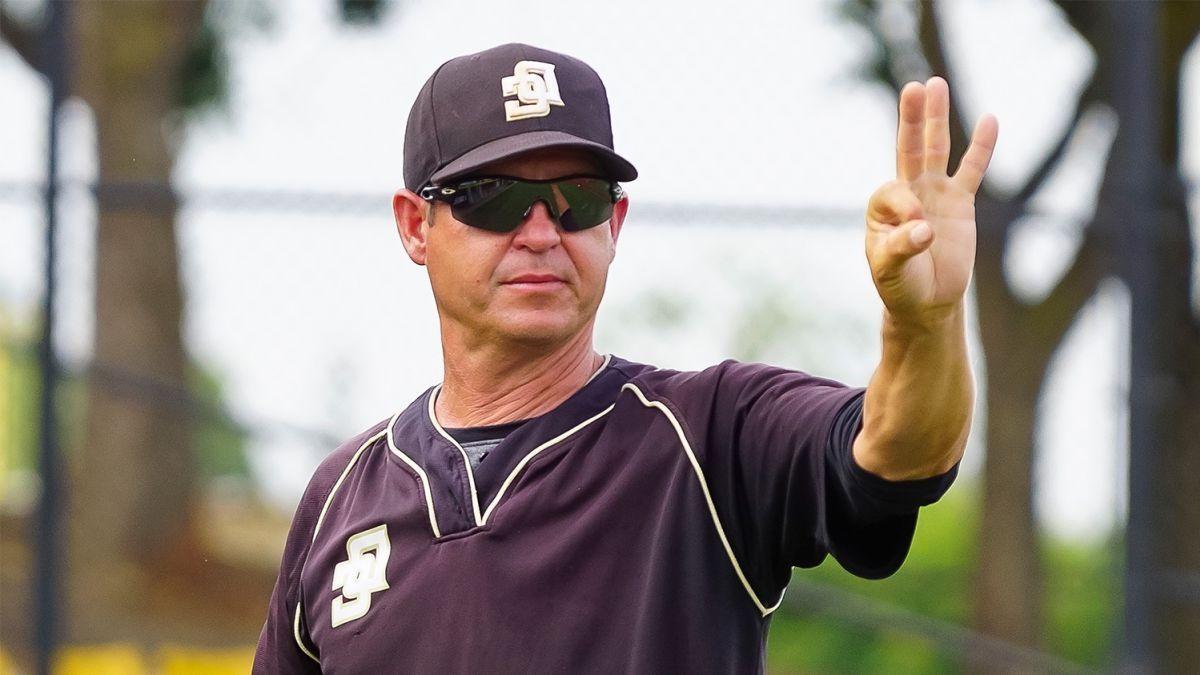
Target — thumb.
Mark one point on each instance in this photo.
(906, 241)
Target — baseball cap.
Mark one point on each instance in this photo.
(501, 102)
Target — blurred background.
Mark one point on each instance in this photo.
(208, 226)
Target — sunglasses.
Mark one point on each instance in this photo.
(501, 203)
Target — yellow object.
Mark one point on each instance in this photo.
(177, 660)
(110, 659)
(6, 421)
(126, 659)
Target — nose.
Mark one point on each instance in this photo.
(539, 231)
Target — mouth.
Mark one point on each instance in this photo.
(533, 279)
(535, 282)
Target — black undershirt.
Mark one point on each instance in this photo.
(477, 442)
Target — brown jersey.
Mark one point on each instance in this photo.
(649, 523)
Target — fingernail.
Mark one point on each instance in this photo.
(920, 233)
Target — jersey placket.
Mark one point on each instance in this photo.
(470, 501)
(462, 500)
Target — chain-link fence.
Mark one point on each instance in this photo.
(306, 323)
(302, 321)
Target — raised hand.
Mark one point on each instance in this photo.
(921, 227)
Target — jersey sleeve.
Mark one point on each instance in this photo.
(775, 449)
(284, 646)
(869, 521)
(279, 644)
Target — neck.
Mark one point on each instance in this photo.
(493, 384)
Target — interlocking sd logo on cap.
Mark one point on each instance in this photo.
(536, 88)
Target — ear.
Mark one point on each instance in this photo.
(620, 209)
(410, 211)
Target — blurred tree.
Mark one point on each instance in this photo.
(142, 68)
(1020, 337)
(1175, 509)
(816, 632)
(361, 11)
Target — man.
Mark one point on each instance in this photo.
(547, 508)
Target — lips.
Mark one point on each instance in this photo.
(534, 279)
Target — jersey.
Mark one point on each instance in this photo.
(649, 523)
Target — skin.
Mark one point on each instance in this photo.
(510, 350)
(920, 245)
(516, 351)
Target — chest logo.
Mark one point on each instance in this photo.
(536, 89)
(361, 575)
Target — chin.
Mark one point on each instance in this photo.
(534, 329)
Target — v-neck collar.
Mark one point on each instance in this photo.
(463, 498)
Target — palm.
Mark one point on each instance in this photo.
(921, 279)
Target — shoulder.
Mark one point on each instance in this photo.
(304, 523)
(722, 380)
(737, 403)
(336, 463)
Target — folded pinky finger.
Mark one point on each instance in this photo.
(978, 155)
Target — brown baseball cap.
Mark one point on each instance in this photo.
(501, 102)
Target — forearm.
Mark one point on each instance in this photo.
(917, 410)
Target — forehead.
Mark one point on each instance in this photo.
(547, 163)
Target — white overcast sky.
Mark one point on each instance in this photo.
(319, 319)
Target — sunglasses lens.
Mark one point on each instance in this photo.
(499, 205)
(589, 200)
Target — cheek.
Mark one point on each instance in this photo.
(459, 265)
(592, 261)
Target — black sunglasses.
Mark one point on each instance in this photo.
(501, 203)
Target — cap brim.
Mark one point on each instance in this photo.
(616, 166)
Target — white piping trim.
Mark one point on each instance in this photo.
(481, 519)
(712, 508)
(466, 461)
(603, 365)
(533, 453)
(420, 472)
(338, 484)
(296, 634)
(321, 519)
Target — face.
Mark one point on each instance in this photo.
(536, 285)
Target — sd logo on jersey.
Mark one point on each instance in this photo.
(361, 575)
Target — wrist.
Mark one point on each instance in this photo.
(932, 322)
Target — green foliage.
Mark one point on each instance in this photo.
(1082, 588)
(768, 318)
(773, 325)
(203, 83)
(893, 53)
(363, 12)
(18, 407)
(219, 446)
(876, 62)
(656, 311)
(204, 77)
(1083, 602)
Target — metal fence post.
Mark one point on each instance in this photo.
(1137, 95)
(48, 559)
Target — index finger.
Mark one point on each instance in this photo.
(910, 142)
